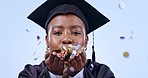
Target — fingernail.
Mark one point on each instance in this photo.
(48, 58)
(62, 58)
(54, 53)
(77, 54)
(69, 60)
(80, 51)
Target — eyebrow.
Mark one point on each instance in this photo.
(75, 26)
(71, 27)
(57, 26)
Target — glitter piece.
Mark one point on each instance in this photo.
(34, 52)
(71, 69)
(70, 45)
(38, 37)
(39, 43)
(131, 39)
(91, 67)
(73, 54)
(126, 54)
(122, 37)
(67, 52)
(121, 5)
(77, 47)
(27, 30)
(36, 58)
(64, 47)
(65, 69)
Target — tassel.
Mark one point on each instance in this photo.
(93, 51)
(93, 54)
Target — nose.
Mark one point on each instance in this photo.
(67, 39)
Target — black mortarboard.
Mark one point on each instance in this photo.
(94, 18)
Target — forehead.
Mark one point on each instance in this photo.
(66, 19)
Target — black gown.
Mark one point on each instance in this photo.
(91, 70)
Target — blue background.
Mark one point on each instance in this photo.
(19, 44)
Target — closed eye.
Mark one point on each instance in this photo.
(75, 33)
(57, 33)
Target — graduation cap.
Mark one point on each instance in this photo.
(89, 15)
(94, 18)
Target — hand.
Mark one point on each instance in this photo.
(75, 65)
(54, 64)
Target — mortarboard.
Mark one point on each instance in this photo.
(94, 18)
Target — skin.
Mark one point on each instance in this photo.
(63, 30)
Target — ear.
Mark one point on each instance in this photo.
(86, 41)
(46, 39)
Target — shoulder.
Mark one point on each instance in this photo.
(97, 69)
(95, 65)
(33, 71)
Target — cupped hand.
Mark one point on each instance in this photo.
(77, 64)
(54, 64)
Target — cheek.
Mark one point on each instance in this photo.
(79, 40)
(53, 42)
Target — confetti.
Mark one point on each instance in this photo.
(27, 30)
(67, 52)
(132, 32)
(36, 58)
(38, 37)
(36, 48)
(39, 43)
(131, 39)
(122, 37)
(121, 5)
(72, 69)
(34, 52)
(126, 54)
(91, 67)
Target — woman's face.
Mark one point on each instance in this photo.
(64, 30)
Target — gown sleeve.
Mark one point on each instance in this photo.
(36, 71)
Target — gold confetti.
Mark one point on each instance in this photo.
(126, 54)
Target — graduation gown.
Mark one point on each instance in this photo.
(91, 70)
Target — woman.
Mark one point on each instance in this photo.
(67, 24)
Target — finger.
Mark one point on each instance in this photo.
(55, 61)
(71, 68)
(51, 58)
(78, 59)
(83, 56)
(73, 63)
(47, 54)
(61, 64)
(79, 63)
